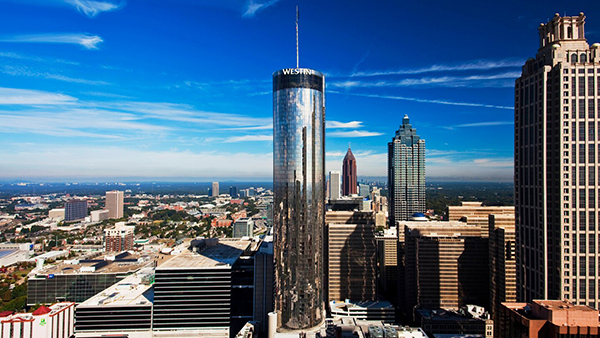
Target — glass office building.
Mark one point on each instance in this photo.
(406, 174)
(299, 189)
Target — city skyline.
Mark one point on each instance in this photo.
(177, 90)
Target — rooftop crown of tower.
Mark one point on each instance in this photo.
(562, 29)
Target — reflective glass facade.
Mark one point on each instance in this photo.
(299, 189)
(47, 289)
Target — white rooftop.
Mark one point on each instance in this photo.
(130, 291)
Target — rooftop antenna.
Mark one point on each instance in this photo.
(297, 52)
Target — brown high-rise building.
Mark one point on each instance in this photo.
(503, 275)
(349, 174)
(352, 253)
(446, 265)
(387, 257)
(557, 166)
(474, 213)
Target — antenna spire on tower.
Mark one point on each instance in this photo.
(297, 52)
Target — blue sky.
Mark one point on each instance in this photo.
(181, 89)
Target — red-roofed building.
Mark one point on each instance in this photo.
(221, 222)
(56, 321)
(42, 310)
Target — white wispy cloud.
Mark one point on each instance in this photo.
(465, 66)
(443, 152)
(23, 71)
(342, 125)
(265, 127)
(443, 81)
(494, 162)
(246, 138)
(91, 8)
(485, 124)
(185, 113)
(85, 40)
(17, 56)
(414, 99)
(76, 162)
(65, 121)
(353, 133)
(253, 7)
(14, 96)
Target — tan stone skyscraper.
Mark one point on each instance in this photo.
(556, 166)
(114, 203)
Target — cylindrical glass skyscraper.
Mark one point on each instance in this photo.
(299, 195)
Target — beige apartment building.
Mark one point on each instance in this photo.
(114, 203)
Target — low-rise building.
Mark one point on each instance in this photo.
(243, 227)
(56, 321)
(382, 311)
(10, 257)
(57, 213)
(78, 280)
(125, 307)
(470, 319)
(547, 319)
(99, 215)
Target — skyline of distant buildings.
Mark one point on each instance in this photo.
(462, 273)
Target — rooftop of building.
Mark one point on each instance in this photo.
(364, 305)
(351, 327)
(557, 312)
(120, 263)
(135, 290)
(223, 254)
(450, 315)
(4, 253)
(561, 305)
(8, 316)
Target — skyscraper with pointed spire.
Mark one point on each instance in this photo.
(406, 173)
(349, 174)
